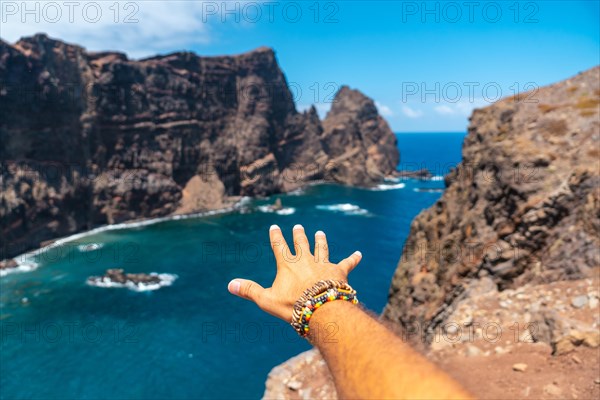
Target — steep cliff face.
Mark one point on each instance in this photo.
(522, 207)
(94, 138)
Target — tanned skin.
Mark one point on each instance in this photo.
(366, 359)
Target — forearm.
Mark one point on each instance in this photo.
(366, 359)
(386, 367)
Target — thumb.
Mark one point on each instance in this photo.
(246, 289)
(349, 263)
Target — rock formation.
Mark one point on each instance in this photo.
(423, 174)
(117, 278)
(95, 138)
(514, 239)
(523, 206)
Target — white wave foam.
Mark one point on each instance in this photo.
(28, 263)
(346, 208)
(297, 192)
(383, 187)
(428, 190)
(282, 211)
(437, 178)
(392, 179)
(245, 200)
(90, 247)
(286, 211)
(165, 280)
(25, 265)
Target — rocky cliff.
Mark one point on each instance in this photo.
(512, 244)
(522, 207)
(95, 138)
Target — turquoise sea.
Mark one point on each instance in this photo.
(63, 339)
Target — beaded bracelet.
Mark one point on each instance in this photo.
(314, 297)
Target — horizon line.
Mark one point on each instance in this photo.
(402, 132)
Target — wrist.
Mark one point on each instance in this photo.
(330, 311)
(321, 293)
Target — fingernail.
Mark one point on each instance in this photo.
(320, 233)
(298, 226)
(234, 286)
(358, 253)
(273, 227)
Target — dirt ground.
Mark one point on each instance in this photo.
(548, 348)
(569, 376)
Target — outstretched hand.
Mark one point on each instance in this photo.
(295, 273)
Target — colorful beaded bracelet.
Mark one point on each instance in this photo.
(314, 297)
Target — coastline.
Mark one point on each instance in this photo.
(25, 262)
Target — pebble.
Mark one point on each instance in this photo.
(500, 350)
(597, 381)
(473, 351)
(535, 307)
(593, 303)
(294, 385)
(519, 367)
(553, 390)
(579, 301)
(467, 320)
(451, 329)
(576, 359)
(526, 337)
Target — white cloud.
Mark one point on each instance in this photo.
(139, 28)
(461, 108)
(384, 110)
(444, 110)
(411, 113)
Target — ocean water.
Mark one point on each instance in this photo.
(61, 338)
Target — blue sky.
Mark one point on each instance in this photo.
(427, 65)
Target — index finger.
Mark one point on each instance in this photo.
(278, 244)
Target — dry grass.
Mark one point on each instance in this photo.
(587, 113)
(546, 108)
(595, 153)
(527, 147)
(586, 102)
(555, 127)
(501, 136)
